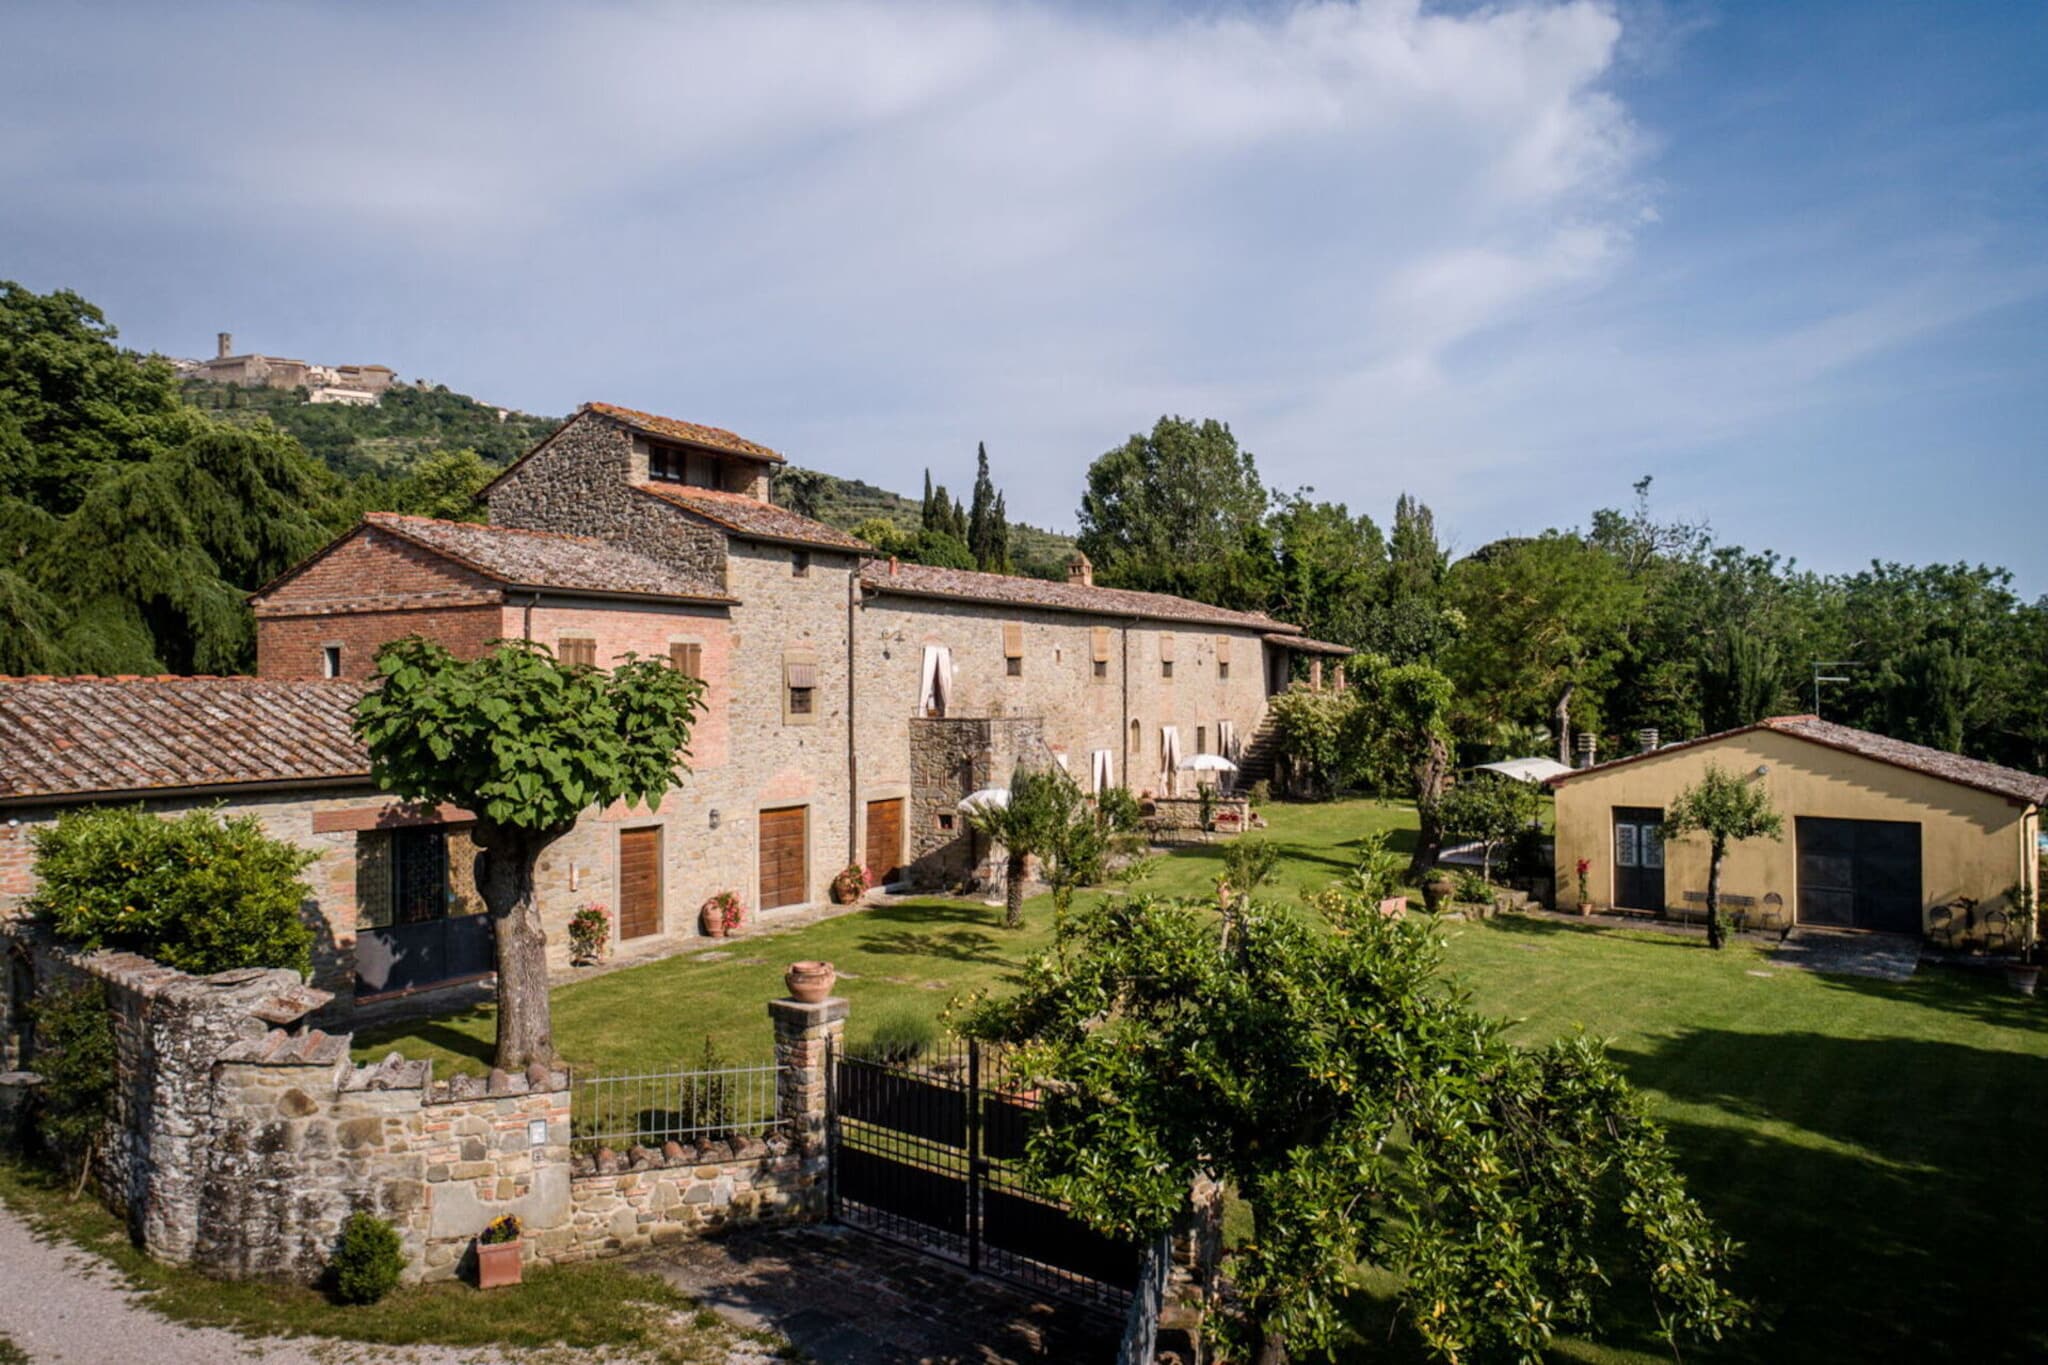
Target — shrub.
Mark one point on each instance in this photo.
(368, 1259)
(705, 1102)
(903, 1036)
(590, 933)
(1259, 793)
(1473, 889)
(201, 893)
(1118, 808)
(74, 1054)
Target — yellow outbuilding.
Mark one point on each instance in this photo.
(1879, 834)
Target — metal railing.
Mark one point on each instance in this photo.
(676, 1106)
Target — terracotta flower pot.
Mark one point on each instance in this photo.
(497, 1264)
(809, 982)
(712, 921)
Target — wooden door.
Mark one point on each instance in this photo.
(1638, 858)
(885, 840)
(784, 847)
(639, 882)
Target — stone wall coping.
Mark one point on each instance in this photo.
(606, 1164)
(278, 1048)
(816, 1014)
(535, 1080)
(273, 995)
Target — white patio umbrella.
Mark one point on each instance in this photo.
(1208, 763)
(987, 796)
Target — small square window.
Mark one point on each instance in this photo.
(945, 820)
(330, 661)
(1101, 670)
(800, 564)
(1166, 668)
(800, 701)
(1015, 667)
(1223, 669)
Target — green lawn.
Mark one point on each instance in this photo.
(1879, 1147)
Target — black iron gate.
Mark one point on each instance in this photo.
(924, 1152)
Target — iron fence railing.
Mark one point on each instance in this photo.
(676, 1106)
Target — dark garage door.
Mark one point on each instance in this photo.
(1860, 874)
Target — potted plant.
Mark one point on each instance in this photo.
(498, 1249)
(722, 915)
(1437, 889)
(809, 982)
(590, 934)
(1585, 868)
(851, 884)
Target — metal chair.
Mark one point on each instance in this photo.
(1771, 913)
(1997, 931)
(1941, 924)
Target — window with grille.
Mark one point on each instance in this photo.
(419, 875)
(577, 651)
(687, 658)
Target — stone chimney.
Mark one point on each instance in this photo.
(1646, 740)
(1589, 748)
(1080, 572)
(894, 565)
(224, 344)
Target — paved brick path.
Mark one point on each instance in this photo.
(851, 1299)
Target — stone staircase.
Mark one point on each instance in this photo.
(1260, 755)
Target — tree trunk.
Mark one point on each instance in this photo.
(1013, 891)
(1269, 1347)
(1431, 771)
(1564, 725)
(505, 877)
(1714, 936)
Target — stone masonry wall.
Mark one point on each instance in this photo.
(580, 481)
(949, 758)
(240, 1146)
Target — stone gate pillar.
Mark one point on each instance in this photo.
(803, 1036)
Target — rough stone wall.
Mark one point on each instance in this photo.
(240, 1147)
(580, 481)
(950, 758)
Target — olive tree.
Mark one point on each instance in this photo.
(1727, 808)
(1369, 1117)
(526, 744)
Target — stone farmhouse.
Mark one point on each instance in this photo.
(852, 701)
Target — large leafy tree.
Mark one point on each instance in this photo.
(1490, 810)
(1366, 1113)
(527, 745)
(1543, 627)
(1179, 509)
(1329, 565)
(1727, 808)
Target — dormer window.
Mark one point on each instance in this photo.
(673, 464)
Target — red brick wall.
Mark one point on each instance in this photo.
(649, 631)
(289, 647)
(369, 589)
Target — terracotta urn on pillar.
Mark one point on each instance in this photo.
(809, 982)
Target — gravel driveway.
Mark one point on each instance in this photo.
(61, 1304)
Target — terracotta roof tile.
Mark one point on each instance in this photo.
(545, 559)
(689, 433)
(1308, 646)
(752, 517)
(2010, 783)
(74, 736)
(923, 580)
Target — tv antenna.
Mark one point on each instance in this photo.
(1821, 675)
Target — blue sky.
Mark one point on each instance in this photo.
(1792, 260)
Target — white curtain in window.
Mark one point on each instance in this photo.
(1169, 755)
(1226, 739)
(1102, 773)
(937, 690)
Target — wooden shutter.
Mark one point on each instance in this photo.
(1166, 649)
(802, 672)
(1100, 641)
(639, 882)
(783, 857)
(575, 650)
(1013, 641)
(1223, 649)
(687, 659)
